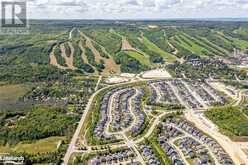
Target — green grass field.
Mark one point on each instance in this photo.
(11, 93)
(193, 47)
(151, 46)
(241, 31)
(4, 149)
(216, 47)
(206, 45)
(40, 146)
(141, 58)
(241, 43)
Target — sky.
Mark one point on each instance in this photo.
(136, 9)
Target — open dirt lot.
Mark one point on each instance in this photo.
(157, 73)
(117, 79)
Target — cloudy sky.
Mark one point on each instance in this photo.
(136, 9)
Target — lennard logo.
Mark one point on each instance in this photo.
(14, 14)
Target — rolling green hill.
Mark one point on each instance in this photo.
(154, 48)
(141, 58)
(97, 48)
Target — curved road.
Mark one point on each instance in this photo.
(71, 147)
(74, 139)
(231, 148)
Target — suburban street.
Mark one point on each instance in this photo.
(193, 115)
(232, 148)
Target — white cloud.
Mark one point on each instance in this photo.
(139, 8)
(164, 4)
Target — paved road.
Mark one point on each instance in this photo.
(70, 34)
(232, 149)
(74, 139)
(132, 145)
(206, 146)
(175, 90)
(210, 93)
(235, 152)
(152, 128)
(98, 82)
(158, 93)
(194, 94)
(110, 116)
(240, 97)
(182, 156)
(130, 107)
(72, 145)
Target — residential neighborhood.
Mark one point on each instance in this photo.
(149, 118)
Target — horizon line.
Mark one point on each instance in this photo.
(148, 19)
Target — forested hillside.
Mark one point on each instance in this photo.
(83, 48)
